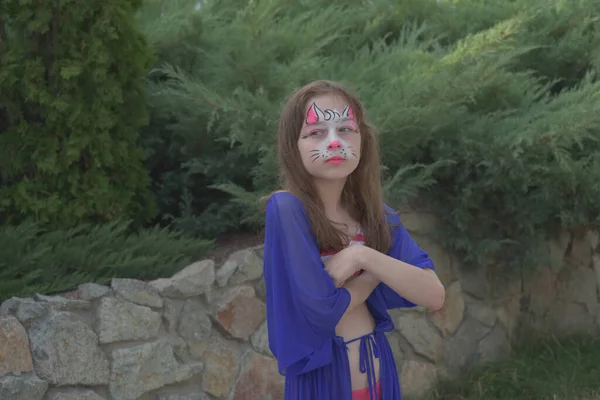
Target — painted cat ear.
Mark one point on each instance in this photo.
(348, 112)
(314, 114)
(332, 115)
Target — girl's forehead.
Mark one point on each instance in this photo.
(327, 101)
(328, 109)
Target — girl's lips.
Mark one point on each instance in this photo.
(335, 160)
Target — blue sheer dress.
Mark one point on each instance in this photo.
(304, 307)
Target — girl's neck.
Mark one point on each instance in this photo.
(330, 193)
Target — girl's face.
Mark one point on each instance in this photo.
(329, 141)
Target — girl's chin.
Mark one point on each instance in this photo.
(333, 174)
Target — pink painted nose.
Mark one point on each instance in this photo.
(334, 144)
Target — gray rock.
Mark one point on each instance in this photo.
(65, 351)
(73, 394)
(395, 340)
(596, 265)
(557, 248)
(258, 379)
(461, 350)
(137, 292)
(172, 396)
(475, 283)
(212, 294)
(261, 290)
(482, 313)
(580, 287)
(194, 327)
(24, 309)
(118, 320)
(582, 247)
(570, 319)
(417, 378)
(238, 312)
(171, 313)
(222, 363)
(225, 272)
(180, 347)
(260, 251)
(449, 317)
(495, 345)
(191, 281)
(22, 388)
(61, 304)
(260, 340)
(417, 221)
(424, 339)
(92, 291)
(240, 267)
(15, 357)
(446, 268)
(141, 369)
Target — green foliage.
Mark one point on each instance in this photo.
(71, 106)
(33, 260)
(541, 369)
(488, 112)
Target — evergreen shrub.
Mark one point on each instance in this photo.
(71, 106)
(488, 112)
(34, 260)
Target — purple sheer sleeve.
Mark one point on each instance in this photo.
(303, 304)
(406, 250)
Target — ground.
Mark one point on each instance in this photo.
(542, 368)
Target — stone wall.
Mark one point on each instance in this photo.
(201, 334)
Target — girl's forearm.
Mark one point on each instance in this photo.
(417, 285)
(360, 289)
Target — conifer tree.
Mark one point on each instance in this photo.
(71, 105)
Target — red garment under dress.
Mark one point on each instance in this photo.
(359, 238)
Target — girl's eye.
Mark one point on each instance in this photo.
(315, 133)
(346, 129)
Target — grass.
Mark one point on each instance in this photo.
(541, 369)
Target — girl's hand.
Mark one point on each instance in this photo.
(343, 264)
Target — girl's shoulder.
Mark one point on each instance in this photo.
(392, 216)
(282, 195)
(285, 204)
(283, 198)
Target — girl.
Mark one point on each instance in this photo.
(336, 257)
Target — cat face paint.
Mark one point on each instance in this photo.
(329, 141)
(329, 129)
(315, 114)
